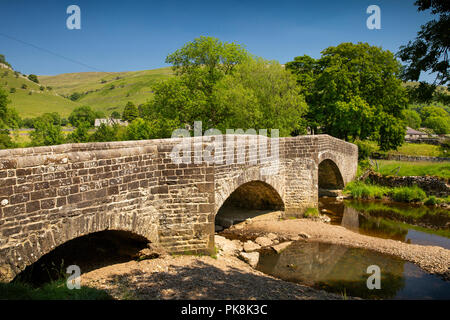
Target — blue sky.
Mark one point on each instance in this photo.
(137, 35)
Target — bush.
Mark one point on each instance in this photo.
(12, 90)
(431, 201)
(408, 194)
(365, 149)
(361, 190)
(33, 78)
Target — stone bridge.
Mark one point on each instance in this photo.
(51, 195)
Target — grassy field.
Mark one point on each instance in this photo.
(38, 102)
(108, 92)
(103, 91)
(404, 168)
(415, 149)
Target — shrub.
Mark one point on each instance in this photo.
(408, 194)
(431, 201)
(365, 149)
(12, 90)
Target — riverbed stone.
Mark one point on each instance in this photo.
(250, 246)
(263, 241)
(252, 258)
(280, 247)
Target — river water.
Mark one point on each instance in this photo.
(343, 270)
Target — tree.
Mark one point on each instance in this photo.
(80, 134)
(82, 114)
(75, 96)
(106, 133)
(130, 112)
(33, 78)
(432, 111)
(412, 118)
(115, 115)
(352, 90)
(259, 94)
(429, 51)
(440, 125)
(9, 117)
(46, 133)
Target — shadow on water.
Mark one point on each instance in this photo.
(401, 222)
(343, 270)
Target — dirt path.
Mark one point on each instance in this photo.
(432, 259)
(190, 277)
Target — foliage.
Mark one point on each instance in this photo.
(105, 133)
(354, 92)
(361, 190)
(33, 77)
(130, 112)
(9, 118)
(82, 114)
(80, 134)
(408, 194)
(5, 140)
(440, 125)
(365, 149)
(115, 115)
(3, 60)
(46, 133)
(429, 51)
(75, 96)
(311, 212)
(412, 118)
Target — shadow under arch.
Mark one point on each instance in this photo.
(249, 200)
(329, 176)
(89, 252)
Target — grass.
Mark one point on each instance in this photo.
(311, 212)
(367, 191)
(439, 169)
(108, 91)
(413, 149)
(56, 290)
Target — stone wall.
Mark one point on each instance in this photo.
(50, 195)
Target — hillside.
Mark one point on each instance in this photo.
(107, 91)
(38, 102)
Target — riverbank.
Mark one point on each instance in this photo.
(196, 277)
(433, 259)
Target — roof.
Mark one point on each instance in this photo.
(411, 131)
(110, 122)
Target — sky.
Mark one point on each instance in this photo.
(138, 35)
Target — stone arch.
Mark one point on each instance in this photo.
(36, 245)
(248, 200)
(226, 186)
(329, 172)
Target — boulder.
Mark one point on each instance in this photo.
(272, 236)
(250, 246)
(280, 247)
(251, 258)
(304, 235)
(263, 241)
(227, 247)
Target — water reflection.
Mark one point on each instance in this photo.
(391, 221)
(342, 270)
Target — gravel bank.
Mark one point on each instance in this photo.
(432, 259)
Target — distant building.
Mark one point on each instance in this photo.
(412, 134)
(110, 122)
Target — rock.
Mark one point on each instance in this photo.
(251, 258)
(304, 235)
(227, 247)
(218, 228)
(263, 241)
(294, 238)
(276, 241)
(150, 253)
(250, 246)
(280, 247)
(271, 236)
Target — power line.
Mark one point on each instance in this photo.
(53, 53)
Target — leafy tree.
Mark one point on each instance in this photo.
(80, 134)
(3, 60)
(429, 51)
(412, 118)
(75, 96)
(24, 86)
(352, 91)
(130, 112)
(33, 78)
(9, 117)
(440, 125)
(115, 115)
(432, 111)
(139, 129)
(5, 140)
(259, 94)
(12, 90)
(106, 133)
(82, 114)
(45, 132)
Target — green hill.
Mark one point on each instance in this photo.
(107, 91)
(103, 91)
(38, 102)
